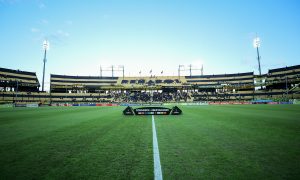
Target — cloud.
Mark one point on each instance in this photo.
(62, 33)
(40, 31)
(59, 37)
(34, 30)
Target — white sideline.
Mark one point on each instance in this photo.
(157, 166)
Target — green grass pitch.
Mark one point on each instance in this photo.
(206, 142)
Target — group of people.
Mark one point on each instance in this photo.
(138, 96)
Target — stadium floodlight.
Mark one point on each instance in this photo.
(256, 44)
(46, 46)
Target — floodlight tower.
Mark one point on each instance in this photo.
(46, 48)
(112, 69)
(256, 44)
(180, 68)
(122, 69)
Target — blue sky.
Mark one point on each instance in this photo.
(148, 34)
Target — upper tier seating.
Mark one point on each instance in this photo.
(16, 79)
(63, 83)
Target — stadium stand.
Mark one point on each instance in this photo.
(278, 84)
(222, 87)
(10, 79)
(15, 84)
(79, 84)
(283, 82)
(81, 89)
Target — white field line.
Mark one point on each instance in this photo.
(157, 166)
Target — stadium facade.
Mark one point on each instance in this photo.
(279, 84)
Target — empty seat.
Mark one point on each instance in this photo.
(141, 81)
(158, 81)
(168, 81)
(124, 81)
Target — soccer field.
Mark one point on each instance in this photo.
(205, 142)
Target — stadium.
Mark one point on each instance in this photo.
(241, 124)
(237, 139)
(279, 85)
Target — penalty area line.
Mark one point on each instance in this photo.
(157, 166)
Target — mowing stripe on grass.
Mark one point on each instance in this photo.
(157, 166)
